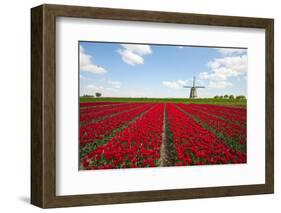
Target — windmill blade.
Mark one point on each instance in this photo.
(199, 87)
(187, 86)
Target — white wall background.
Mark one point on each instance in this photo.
(15, 105)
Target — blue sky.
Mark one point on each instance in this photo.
(135, 70)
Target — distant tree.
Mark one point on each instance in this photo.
(216, 97)
(98, 94)
(231, 97)
(226, 96)
(240, 97)
(221, 96)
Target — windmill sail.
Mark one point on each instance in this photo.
(193, 89)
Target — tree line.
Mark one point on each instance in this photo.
(98, 94)
(238, 97)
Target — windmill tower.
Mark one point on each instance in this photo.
(193, 89)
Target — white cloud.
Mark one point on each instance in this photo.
(91, 89)
(229, 51)
(130, 58)
(172, 85)
(87, 65)
(115, 84)
(175, 84)
(140, 49)
(133, 54)
(219, 84)
(234, 62)
(82, 77)
(182, 82)
(199, 82)
(95, 87)
(224, 68)
(109, 89)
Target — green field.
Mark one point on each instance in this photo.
(230, 102)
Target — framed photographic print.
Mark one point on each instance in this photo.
(137, 106)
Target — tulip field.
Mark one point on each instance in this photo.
(116, 135)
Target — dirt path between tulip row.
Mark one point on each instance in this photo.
(167, 148)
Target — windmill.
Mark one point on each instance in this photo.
(193, 89)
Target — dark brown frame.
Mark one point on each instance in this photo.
(43, 105)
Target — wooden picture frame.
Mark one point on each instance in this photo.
(43, 105)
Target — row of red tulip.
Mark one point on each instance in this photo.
(94, 114)
(136, 146)
(235, 115)
(201, 134)
(97, 131)
(90, 104)
(234, 135)
(99, 108)
(196, 145)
